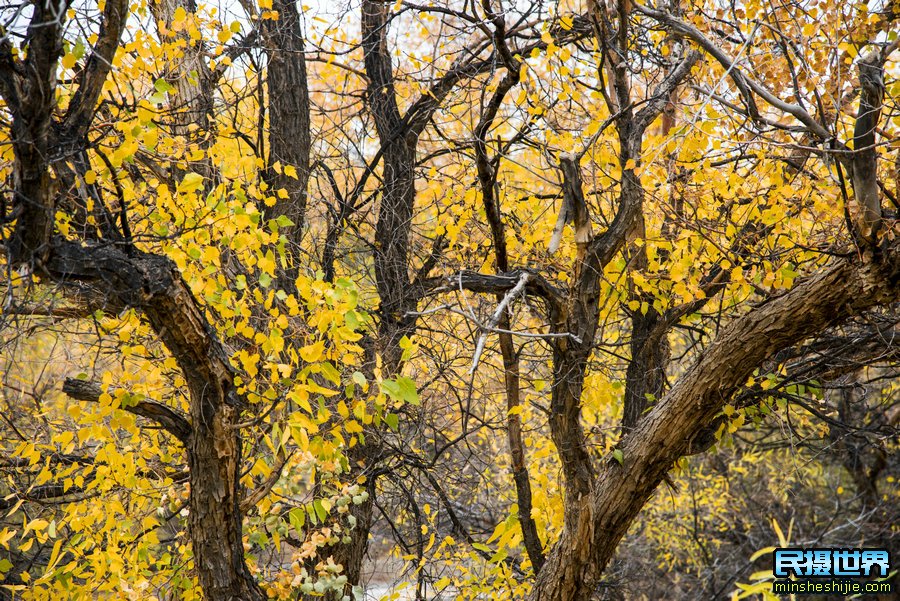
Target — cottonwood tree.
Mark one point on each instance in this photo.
(104, 270)
(684, 198)
(603, 497)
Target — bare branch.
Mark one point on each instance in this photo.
(172, 420)
(744, 82)
(495, 318)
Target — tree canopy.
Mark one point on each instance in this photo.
(531, 300)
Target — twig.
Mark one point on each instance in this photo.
(495, 318)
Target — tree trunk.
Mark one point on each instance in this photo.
(645, 377)
(190, 75)
(289, 135)
(30, 98)
(153, 284)
(574, 566)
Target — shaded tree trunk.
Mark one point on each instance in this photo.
(289, 122)
(121, 278)
(398, 191)
(192, 104)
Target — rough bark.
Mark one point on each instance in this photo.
(122, 278)
(599, 510)
(616, 497)
(398, 191)
(29, 89)
(153, 284)
(579, 314)
(645, 376)
(169, 419)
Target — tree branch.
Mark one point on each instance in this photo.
(744, 82)
(666, 433)
(90, 81)
(171, 420)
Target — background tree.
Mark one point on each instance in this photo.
(456, 284)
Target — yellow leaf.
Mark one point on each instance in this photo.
(191, 183)
(5, 535)
(36, 525)
(313, 352)
(760, 553)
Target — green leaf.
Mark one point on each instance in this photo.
(392, 420)
(499, 556)
(321, 512)
(284, 221)
(619, 456)
(297, 518)
(78, 50)
(352, 319)
(401, 389)
(162, 86)
(330, 372)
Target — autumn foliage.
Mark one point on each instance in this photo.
(491, 300)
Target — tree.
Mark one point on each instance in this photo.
(304, 283)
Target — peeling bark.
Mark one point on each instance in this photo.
(866, 206)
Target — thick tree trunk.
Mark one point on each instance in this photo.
(645, 377)
(29, 90)
(123, 279)
(574, 566)
(398, 192)
(153, 284)
(349, 555)
(578, 319)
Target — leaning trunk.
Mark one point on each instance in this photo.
(573, 568)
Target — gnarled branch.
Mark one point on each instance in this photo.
(171, 420)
